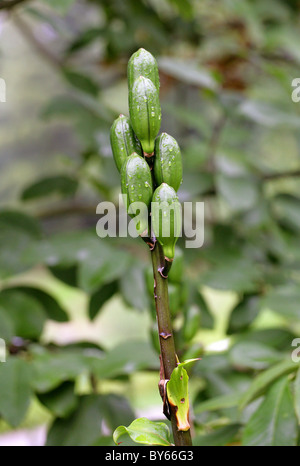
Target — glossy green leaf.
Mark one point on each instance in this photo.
(81, 81)
(219, 402)
(219, 437)
(178, 395)
(132, 281)
(253, 355)
(284, 300)
(20, 221)
(187, 72)
(82, 428)
(228, 276)
(297, 395)
(62, 6)
(125, 359)
(25, 312)
(13, 244)
(15, 390)
(61, 401)
(241, 193)
(51, 369)
(51, 307)
(100, 297)
(145, 432)
(244, 314)
(261, 382)
(61, 184)
(97, 271)
(274, 423)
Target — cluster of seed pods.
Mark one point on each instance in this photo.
(150, 164)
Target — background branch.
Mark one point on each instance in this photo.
(10, 4)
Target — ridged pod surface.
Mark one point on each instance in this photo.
(168, 162)
(166, 218)
(145, 112)
(136, 184)
(142, 63)
(123, 140)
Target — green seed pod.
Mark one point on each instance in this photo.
(168, 162)
(176, 273)
(136, 184)
(192, 323)
(166, 218)
(123, 140)
(145, 112)
(142, 63)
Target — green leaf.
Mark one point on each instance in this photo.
(219, 437)
(100, 297)
(244, 314)
(97, 271)
(228, 276)
(125, 359)
(82, 428)
(13, 243)
(25, 312)
(51, 369)
(268, 115)
(253, 355)
(286, 208)
(116, 409)
(178, 396)
(132, 287)
(284, 300)
(196, 299)
(61, 184)
(51, 307)
(84, 39)
(61, 401)
(274, 423)
(261, 383)
(297, 395)
(185, 7)
(187, 72)
(277, 338)
(7, 330)
(62, 6)
(15, 391)
(219, 402)
(81, 82)
(145, 432)
(20, 221)
(240, 192)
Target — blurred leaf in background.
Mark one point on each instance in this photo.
(74, 309)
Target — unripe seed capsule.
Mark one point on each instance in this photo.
(136, 184)
(166, 218)
(168, 162)
(142, 63)
(145, 112)
(123, 140)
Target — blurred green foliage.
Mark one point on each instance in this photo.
(226, 69)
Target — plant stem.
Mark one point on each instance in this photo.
(166, 338)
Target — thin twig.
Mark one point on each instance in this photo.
(10, 4)
(26, 31)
